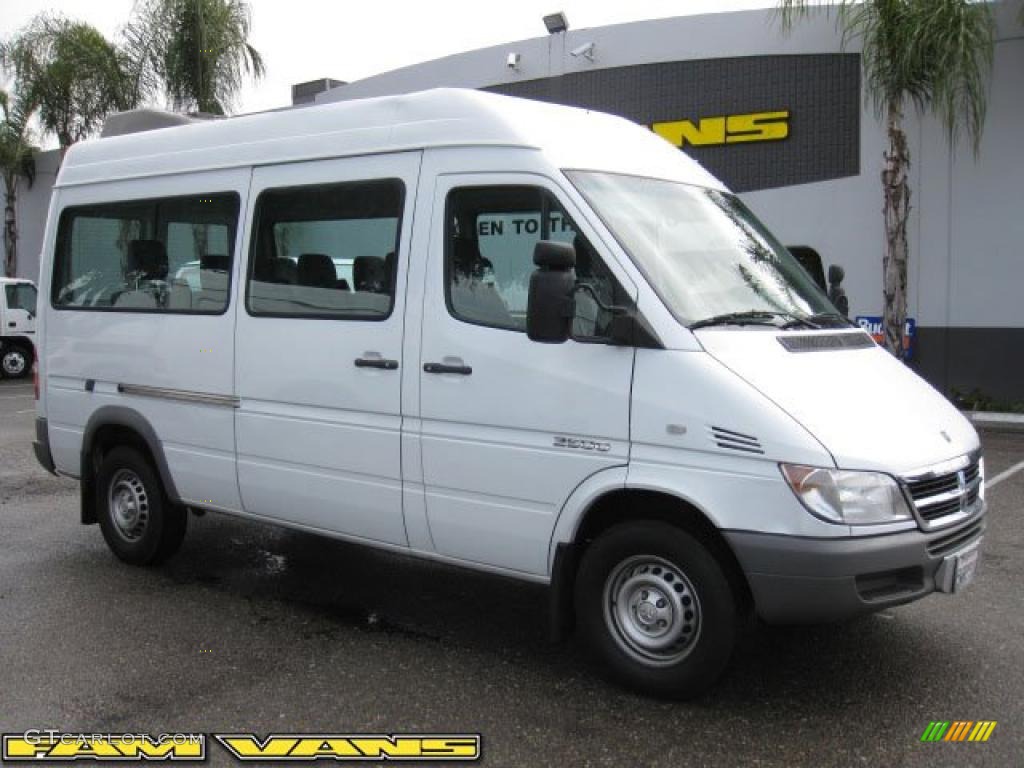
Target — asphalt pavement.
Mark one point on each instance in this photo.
(252, 628)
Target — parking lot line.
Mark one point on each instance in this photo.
(1005, 474)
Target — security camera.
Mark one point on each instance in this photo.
(586, 51)
(512, 62)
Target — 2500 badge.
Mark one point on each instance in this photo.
(582, 444)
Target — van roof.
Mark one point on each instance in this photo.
(442, 117)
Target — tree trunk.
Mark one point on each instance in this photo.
(10, 225)
(896, 211)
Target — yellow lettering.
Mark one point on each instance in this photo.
(68, 750)
(759, 126)
(149, 749)
(17, 747)
(249, 747)
(320, 747)
(710, 130)
(453, 747)
(381, 747)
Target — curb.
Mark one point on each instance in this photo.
(996, 422)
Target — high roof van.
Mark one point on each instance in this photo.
(557, 349)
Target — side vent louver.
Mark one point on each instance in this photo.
(736, 441)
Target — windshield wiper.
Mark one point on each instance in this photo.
(843, 319)
(821, 320)
(751, 317)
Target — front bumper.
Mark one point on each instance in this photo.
(801, 580)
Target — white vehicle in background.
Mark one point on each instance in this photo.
(17, 327)
(519, 337)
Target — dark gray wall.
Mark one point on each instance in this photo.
(964, 360)
(820, 91)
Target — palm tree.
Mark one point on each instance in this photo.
(16, 162)
(935, 55)
(198, 50)
(69, 72)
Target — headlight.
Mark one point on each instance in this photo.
(850, 498)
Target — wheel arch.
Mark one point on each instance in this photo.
(624, 504)
(111, 426)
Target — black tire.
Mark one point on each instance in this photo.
(15, 361)
(140, 524)
(681, 575)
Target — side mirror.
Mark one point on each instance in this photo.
(836, 292)
(551, 304)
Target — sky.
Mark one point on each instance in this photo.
(308, 39)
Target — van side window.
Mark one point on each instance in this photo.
(326, 251)
(161, 255)
(490, 237)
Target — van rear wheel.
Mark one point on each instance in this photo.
(138, 521)
(657, 609)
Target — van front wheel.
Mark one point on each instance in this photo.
(138, 521)
(657, 609)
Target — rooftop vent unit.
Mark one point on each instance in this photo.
(306, 93)
(139, 120)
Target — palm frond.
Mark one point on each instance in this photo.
(936, 54)
(67, 72)
(198, 50)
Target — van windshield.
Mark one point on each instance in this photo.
(705, 254)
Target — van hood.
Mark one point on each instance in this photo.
(868, 409)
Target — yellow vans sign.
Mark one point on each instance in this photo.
(727, 129)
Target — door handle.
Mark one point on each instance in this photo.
(462, 370)
(11, 324)
(377, 362)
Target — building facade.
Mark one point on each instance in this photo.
(782, 119)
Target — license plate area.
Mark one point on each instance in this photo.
(958, 569)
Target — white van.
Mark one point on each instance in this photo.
(563, 352)
(17, 327)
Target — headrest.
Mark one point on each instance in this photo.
(317, 271)
(467, 259)
(369, 273)
(149, 257)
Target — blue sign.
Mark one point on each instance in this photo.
(873, 326)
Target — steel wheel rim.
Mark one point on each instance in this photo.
(652, 610)
(129, 504)
(14, 362)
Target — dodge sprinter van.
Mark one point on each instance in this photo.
(560, 351)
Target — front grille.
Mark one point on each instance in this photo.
(957, 540)
(943, 495)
